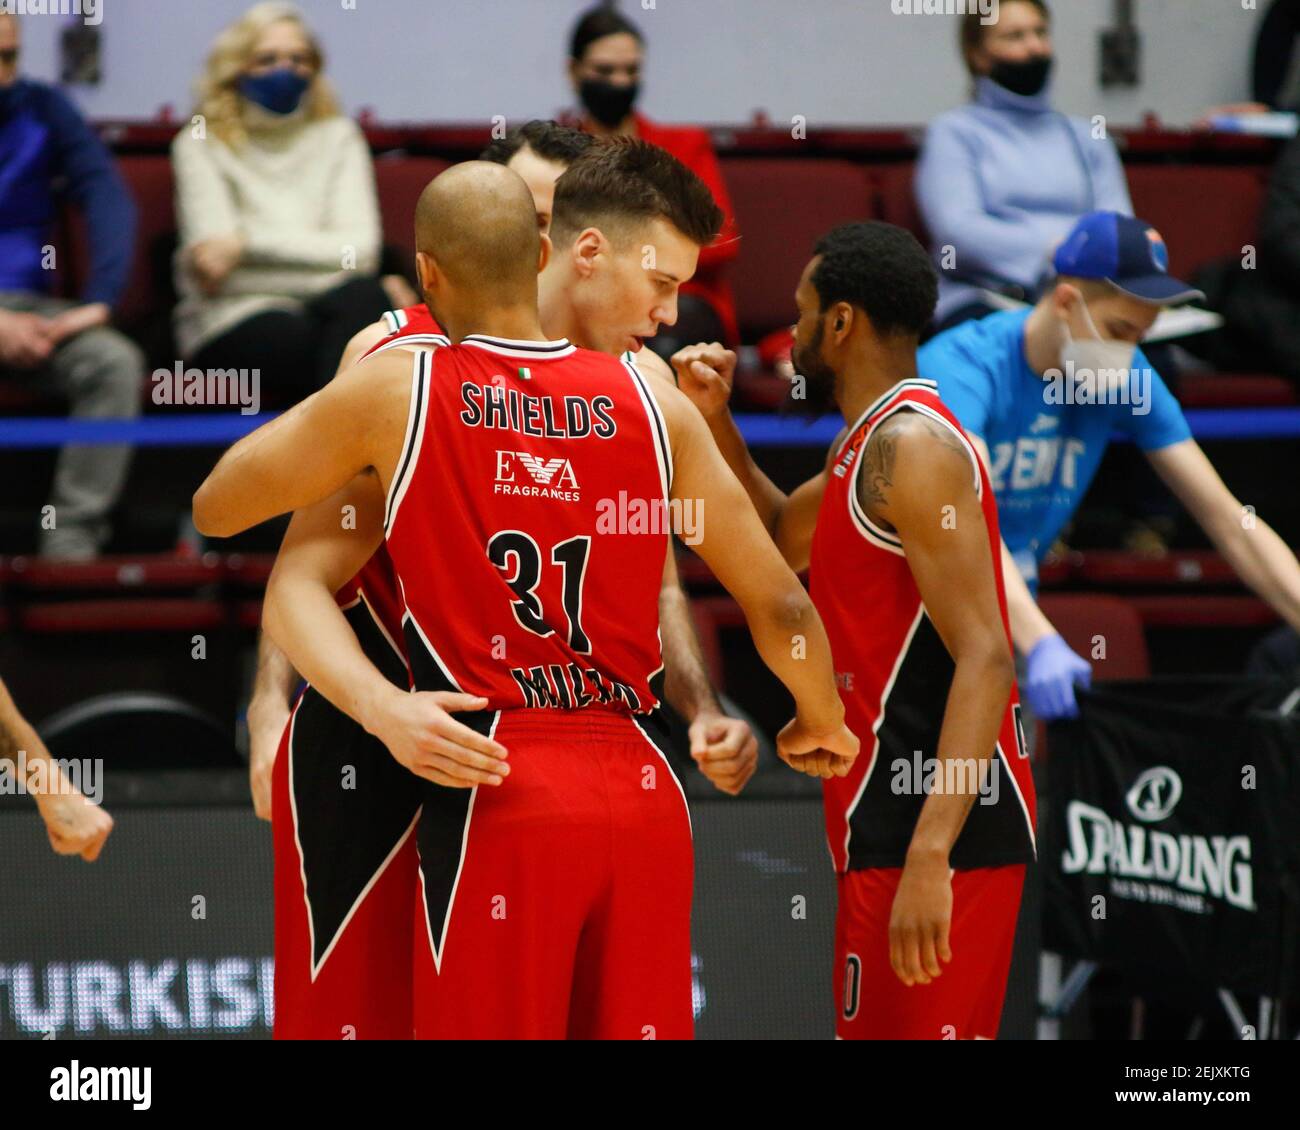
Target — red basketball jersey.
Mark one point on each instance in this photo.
(376, 583)
(894, 673)
(529, 523)
(410, 320)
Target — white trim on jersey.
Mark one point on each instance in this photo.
(521, 350)
(360, 598)
(658, 426)
(394, 320)
(1024, 806)
(418, 341)
(875, 729)
(885, 397)
(878, 537)
(415, 420)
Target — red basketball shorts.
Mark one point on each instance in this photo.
(344, 815)
(557, 905)
(965, 1002)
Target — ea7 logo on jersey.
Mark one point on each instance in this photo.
(524, 474)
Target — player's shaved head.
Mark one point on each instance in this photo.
(478, 223)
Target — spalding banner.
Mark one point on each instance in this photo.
(1172, 838)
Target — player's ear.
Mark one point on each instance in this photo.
(544, 253)
(585, 249)
(425, 270)
(842, 320)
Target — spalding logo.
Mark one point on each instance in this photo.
(1154, 794)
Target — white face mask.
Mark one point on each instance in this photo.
(1082, 358)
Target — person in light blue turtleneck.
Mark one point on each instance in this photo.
(1002, 180)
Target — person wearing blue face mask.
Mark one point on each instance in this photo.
(1005, 176)
(67, 347)
(278, 213)
(1042, 390)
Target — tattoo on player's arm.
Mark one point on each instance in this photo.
(877, 470)
(878, 458)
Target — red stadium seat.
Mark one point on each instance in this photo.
(149, 180)
(782, 207)
(1204, 212)
(1082, 618)
(399, 182)
(897, 193)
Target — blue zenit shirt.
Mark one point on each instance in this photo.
(1044, 449)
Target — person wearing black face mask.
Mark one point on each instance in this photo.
(606, 53)
(1003, 179)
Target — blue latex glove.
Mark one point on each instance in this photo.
(1052, 669)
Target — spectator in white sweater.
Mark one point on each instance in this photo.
(279, 219)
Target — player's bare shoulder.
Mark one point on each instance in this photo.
(680, 415)
(912, 453)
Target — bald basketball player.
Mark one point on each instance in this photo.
(556, 888)
(724, 747)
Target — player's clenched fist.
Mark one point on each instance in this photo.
(725, 749)
(421, 734)
(76, 825)
(705, 373)
(825, 754)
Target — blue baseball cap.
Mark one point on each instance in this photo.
(1127, 253)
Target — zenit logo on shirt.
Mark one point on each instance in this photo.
(524, 474)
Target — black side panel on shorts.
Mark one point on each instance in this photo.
(440, 837)
(353, 801)
(883, 821)
(428, 675)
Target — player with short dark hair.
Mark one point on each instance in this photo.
(555, 895)
(931, 830)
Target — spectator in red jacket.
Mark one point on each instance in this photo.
(605, 59)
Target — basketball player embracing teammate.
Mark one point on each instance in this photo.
(555, 882)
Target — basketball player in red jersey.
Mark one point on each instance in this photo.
(539, 151)
(344, 856)
(556, 892)
(931, 830)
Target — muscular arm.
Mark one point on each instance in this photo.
(705, 374)
(786, 628)
(916, 470)
(319, 555)
(1250, 545)
(917, 478)
(76, 825)
(356, 422)
(686, 679)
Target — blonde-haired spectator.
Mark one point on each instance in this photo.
(278, 215)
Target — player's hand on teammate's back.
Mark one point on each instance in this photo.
(921, 918)
(1051, 671)
(822, 754)
(705, 373)
(420, 732)
(725, 750)
(75, 825)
